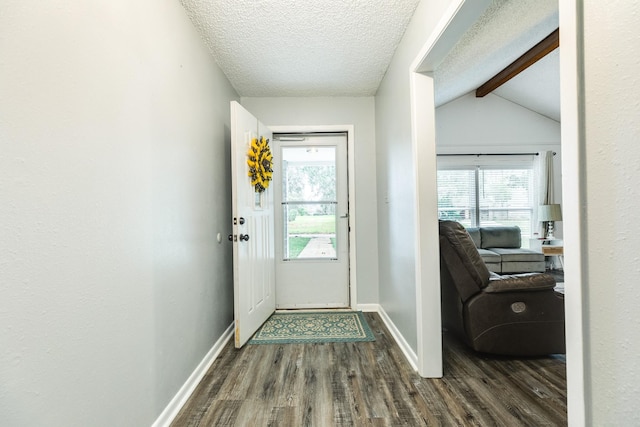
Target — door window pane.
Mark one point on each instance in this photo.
(309, 202)
(310, 231)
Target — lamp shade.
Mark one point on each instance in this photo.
(549, 213)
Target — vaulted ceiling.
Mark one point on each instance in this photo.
(343, 48)
(506, 30)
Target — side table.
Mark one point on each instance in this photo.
(549, 247)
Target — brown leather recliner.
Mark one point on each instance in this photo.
(516, 315)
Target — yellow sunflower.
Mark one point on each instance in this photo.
(260, 163)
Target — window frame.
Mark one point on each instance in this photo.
(477, 163)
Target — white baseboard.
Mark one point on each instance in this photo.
(411, 355)
(370, 308)
(178, 401)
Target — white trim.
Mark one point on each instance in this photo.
(312, 306)
(456, 20)
(351, 168)
(411, 356)
(178, 401)
(574, 225)
(427, 248)
(368, 308)
(408, 352)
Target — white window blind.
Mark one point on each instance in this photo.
(485, 191)
(457, 195)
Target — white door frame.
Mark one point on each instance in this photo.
(456, 20)
(349, 129)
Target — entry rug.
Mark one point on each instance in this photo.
(313, 327)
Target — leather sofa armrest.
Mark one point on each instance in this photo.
(520, 283)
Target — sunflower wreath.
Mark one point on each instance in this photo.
(260, 163)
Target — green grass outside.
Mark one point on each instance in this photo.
(296, 245)
(317, 224)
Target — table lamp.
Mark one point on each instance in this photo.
(549, 214)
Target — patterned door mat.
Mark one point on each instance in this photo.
(313, 327)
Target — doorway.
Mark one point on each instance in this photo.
(460, 17)
(311, 220)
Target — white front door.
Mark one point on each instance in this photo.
(312, 221)
(253, 232)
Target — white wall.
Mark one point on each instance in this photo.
(492, 121)
(396, 176)
(114, 180)
(360, 113)
(609, 180)
(494, 125)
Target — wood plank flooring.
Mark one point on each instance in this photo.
(372, 384)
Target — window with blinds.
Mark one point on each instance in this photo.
(485, 191)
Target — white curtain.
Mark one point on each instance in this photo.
(543, 167)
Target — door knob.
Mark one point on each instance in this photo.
(241, 220)
(244, 237)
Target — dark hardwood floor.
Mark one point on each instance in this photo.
(372, 384)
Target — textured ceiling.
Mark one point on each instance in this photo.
(506, 30)
(343, 47)
(302, 48)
